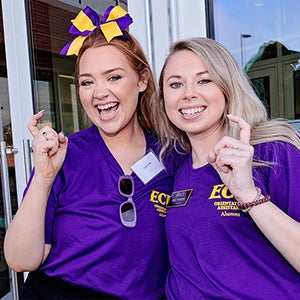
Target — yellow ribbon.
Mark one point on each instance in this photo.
(115, 20)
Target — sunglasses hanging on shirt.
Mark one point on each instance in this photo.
(127, 209)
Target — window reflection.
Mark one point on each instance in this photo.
(262, 88)
(270, 50)
(267, 20)
(49, 24)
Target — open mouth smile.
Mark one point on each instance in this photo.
(192, 111)
(108, 108)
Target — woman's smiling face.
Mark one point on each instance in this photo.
(108, 88)
(193, 102)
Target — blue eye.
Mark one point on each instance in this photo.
(86, 83)
(114, 78)
(204, 81)
(176, 85)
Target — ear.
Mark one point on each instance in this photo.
(143, 83)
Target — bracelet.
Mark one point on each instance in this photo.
(245, 207)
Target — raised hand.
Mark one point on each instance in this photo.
(233, 158)
(49, 148)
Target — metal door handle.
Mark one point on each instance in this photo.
(27, 158)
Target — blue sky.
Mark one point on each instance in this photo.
(264, 20)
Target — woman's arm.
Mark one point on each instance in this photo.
(281, 230)
(232, 159)
(24, 243)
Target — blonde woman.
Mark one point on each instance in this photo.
(233, 221)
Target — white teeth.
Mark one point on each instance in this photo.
(106, 106)
(192, 111)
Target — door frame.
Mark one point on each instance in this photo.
(271, 73)
(19, 82)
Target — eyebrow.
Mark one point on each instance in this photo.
(103, 73)
(179, 76)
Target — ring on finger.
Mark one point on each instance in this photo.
(44, 133)
(235, 147)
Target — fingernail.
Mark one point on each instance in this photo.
(41, 111)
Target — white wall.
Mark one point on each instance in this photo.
(188, 21)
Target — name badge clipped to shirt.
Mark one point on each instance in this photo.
(147, 167)
(179, 198)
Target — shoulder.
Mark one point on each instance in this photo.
(176, 159)
(280, 177)
(172, 159)
(152, 141)
(82, 134)
(83, 141)
(275, 150)
(83, 137)
(280, 156)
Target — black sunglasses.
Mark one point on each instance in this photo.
(127, 209)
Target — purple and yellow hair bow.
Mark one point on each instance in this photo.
(114, 21)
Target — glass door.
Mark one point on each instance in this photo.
(15, 111)
(264, 82)
(8, 196)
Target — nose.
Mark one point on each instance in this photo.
(189, 92)
(100, 91)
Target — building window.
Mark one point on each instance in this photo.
(264, 38)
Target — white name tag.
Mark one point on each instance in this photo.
(147, 167)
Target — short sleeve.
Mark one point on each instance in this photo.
(52, 206)
(281, 179)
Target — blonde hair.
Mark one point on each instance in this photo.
(241, 99)
(131, 48)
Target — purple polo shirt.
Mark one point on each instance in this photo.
(216, 251)
(90, 246)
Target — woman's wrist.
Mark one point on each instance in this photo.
(248, 196)
(258, 199)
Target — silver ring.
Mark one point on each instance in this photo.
(235, 147)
